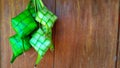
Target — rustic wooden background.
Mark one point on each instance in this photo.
(86, 34)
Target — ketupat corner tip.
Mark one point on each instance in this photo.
(13, 59)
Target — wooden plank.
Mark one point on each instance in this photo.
(11, 8)
(86, 33)
(0, 34)
(118, 51)
(5, 29)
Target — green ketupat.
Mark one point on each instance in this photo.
(23, 24)
(19, 46)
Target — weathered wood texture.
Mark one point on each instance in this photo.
(85, 34)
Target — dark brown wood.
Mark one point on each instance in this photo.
(118, 51)
(86, 33)
(11, 8)
(118, 56)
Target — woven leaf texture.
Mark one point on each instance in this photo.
(24, 23)
(18, 46)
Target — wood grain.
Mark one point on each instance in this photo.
(118, 52)
(0, 34)
(11, 8)
(86, 33)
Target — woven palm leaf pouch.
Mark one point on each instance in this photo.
(45, 17)
(19, 46)
(24, 24)
(41, 43)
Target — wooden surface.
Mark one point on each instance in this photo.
(118, 53)
(85, 34)
(118, 43)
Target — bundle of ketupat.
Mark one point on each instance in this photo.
(41, 40)
(33, 27)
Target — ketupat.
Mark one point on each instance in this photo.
(24, 24)
(19, 46)
(46, 18)
(41, 43)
